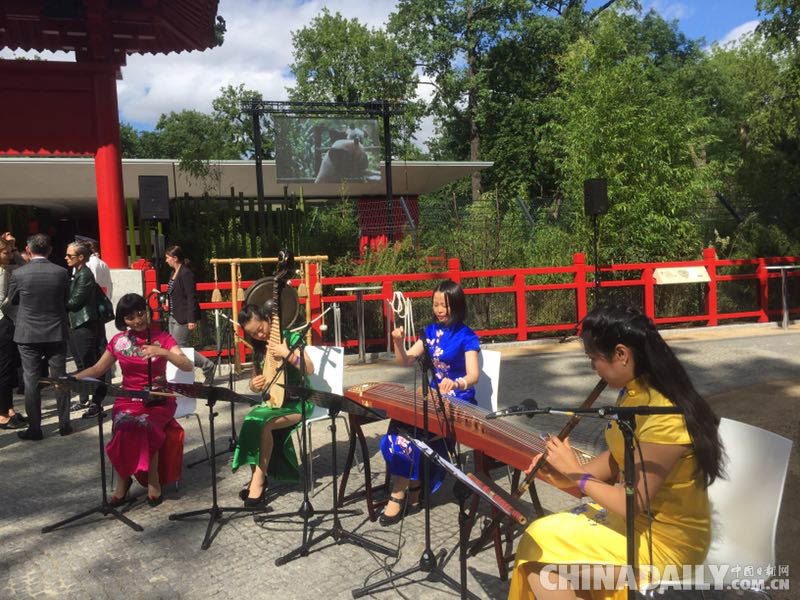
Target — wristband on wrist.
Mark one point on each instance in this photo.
(582, 483)
(462, 383)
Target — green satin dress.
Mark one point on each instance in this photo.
(283, 464)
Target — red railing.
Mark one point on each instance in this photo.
(579, 271)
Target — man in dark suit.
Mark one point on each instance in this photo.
(40, 290)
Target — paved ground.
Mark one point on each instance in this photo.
(752, 373)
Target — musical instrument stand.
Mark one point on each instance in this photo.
(215, 511)
(104, 508)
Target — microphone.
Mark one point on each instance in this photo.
(528, 404)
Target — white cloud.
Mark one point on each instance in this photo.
(735, 35)
(257, 52)
(31, 54)
(670, 10)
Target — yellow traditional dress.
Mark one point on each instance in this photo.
(591, 535)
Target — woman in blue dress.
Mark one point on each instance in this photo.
(454, 349)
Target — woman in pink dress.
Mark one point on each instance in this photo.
(141, 433)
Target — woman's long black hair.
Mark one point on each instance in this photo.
(127, 305)
(606, 326)
(456, 302)
(246, 314)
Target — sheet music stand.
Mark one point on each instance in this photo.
(104, 508)
(464, 486)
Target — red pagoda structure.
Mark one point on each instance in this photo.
(70, 108)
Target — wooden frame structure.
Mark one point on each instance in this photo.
(234, 263)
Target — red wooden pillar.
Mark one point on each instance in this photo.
(763, 290)
(649, 293)
(710, 258)
(579, 262)
(315, 301)
(108, 171)
(454, 269)
(522, 307)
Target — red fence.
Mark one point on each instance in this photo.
(580, 274)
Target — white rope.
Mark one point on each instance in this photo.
(314, 320)
(403, 309)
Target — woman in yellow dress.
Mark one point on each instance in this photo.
(682, 455)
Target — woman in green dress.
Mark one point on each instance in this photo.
(265, 441)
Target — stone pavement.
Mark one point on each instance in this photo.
(99, 557)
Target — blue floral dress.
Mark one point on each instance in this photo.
(448, 347)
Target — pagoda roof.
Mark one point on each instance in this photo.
(108, 29)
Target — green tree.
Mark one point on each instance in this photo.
(782, 22)
(130, 146)
(757, 152)
(453, 41)
(622, 114)
(237, 125)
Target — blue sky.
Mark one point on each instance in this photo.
(712, 19)
(258, 46)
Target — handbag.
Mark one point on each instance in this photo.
(105, 310)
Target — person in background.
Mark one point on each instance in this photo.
(84, 321)
(9, 356)
(17, 257)
(40, 289)
(102, 275)
(184, 311)
(98, 267)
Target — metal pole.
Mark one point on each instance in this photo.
(387, 159)
(259, 173)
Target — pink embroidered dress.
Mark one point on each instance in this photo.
(139, 431)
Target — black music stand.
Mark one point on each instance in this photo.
(462, 489)
(429, 562)
(335, 404)
(214, 512)
(626, 417)
(232, 441)
(104, 508)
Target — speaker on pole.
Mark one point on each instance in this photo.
(154, 197)
(595, 197)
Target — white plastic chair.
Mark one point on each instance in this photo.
(186, 407)
(489, 380)
(328, 376)
(745, 506)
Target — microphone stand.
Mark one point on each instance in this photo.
(215, 511)
(429, 563)
(337, 532)
(306, 510)
(626, 418)
(104, 508)
(232, 441)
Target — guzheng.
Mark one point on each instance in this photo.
(500, 439)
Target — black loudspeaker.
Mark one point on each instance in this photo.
(154, 197)
(595, 197)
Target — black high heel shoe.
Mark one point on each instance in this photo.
(120, 501)
(386, 520)
(154, 501)
(253, 502)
